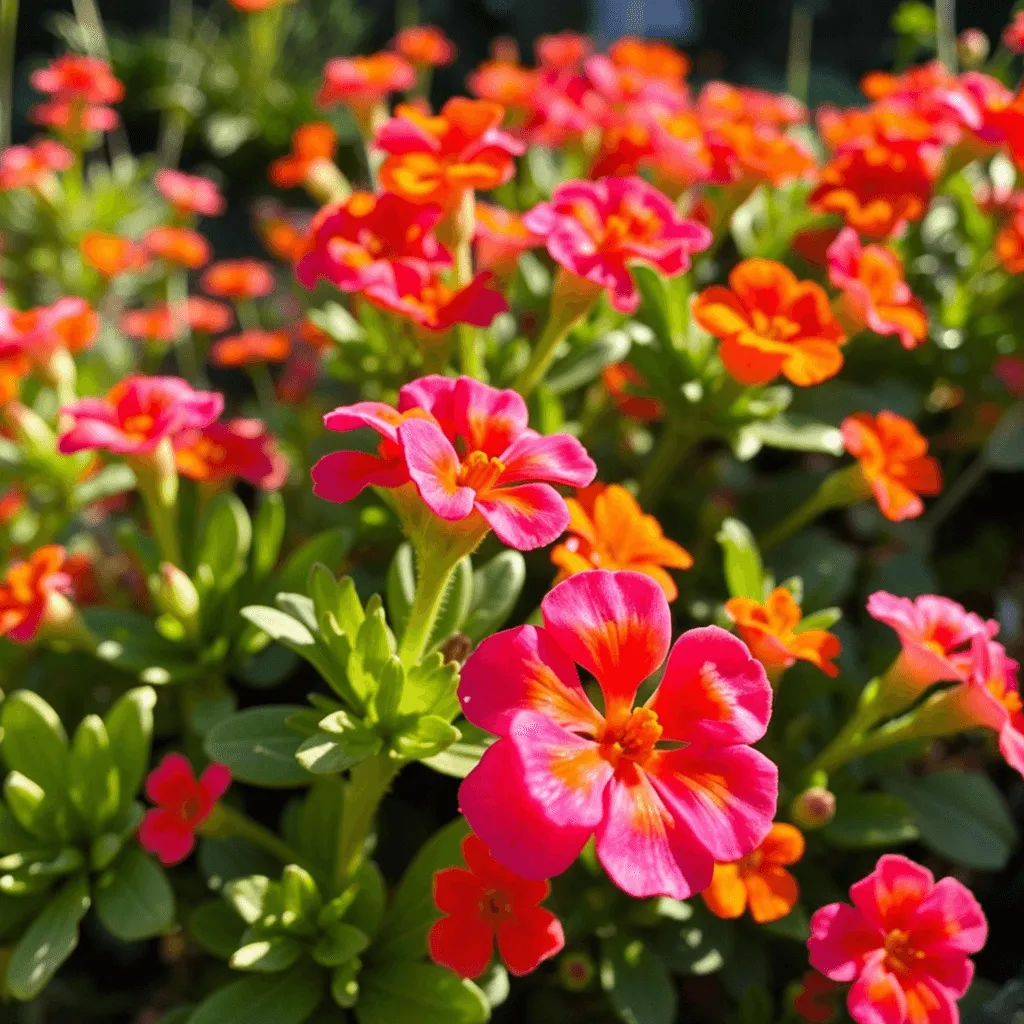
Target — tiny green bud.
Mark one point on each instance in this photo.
(814, 808)
(176, 595)
(576, 971)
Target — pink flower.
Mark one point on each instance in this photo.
(224, 450)
(595, 229)
(189, 193)
(935, 633)
(563, 771)
(28, 166)
(904, 944)
(468, 452)
(137, 414)
(183, 804)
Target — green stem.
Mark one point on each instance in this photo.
(676, 441)
(839, 489)
(435, 574)
(945, 33)
(798, 65)
(572, 298)
(962, 487)
(157, 480)
(184, 344)
(366, 787)
(470, 354)
(263, 385)
(8, 35)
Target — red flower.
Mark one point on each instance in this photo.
(189, 193)
(310, 143)
(625, 384)
(1013, 34)
(252, 346)
(238, 280)
(28, 166)
(816, 1000)
(28, 590)
(425, 46)
(183, 804)
(181, 246)
(235, 448)
(1010, 244)
(485, 903)
(80, 89)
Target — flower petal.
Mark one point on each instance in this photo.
(949, 921)
(890, 896)
(171, 781)
(375, 415)
(841, 939)
(726, 896)
(773, 893)
(488, 418)
(457, 891)
(532, 936)
(784, 844)
(877, 996)
(557, 459)
(433, 467)
(713, 691)
(340, 476)
(164, 834)
(463, 943)
(616, 625)
(524, 517)
(523, 669)
(215, 780)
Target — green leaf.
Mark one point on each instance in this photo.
(287, 998)
(794, 433)
(134, 899)
(401, 589)
(95, 787)
(744, 573)
(374, 647)
(367, 909)
(340, 944)
(280, 626)
(871, 819)
(404, 930)
(248, 896)
(340, 742)
(319, 821)
(267, 535)
(300, 894)
(412, 993)
(585, 362)
(267, 956)
(327, 548)
(1004, 450)
(691, 940)
(464, 755)
(33, 740)
(30, 807)
(113, 479)
(390, 684)
(225, 536)
(130, 729)
(496, 589)
(961, 815)
(825, 619)
(431, 688)
(131, 642)
(637, 982)
(427, 737)
(258, 747)
(216, 928)
(49, 940)
(456, 603)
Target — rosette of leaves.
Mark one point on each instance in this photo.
(67, 821)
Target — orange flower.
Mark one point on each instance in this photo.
(155, 324)
(181, 246)
(771, 323)
(894, 459)
(720, 101)
(238, 280)
(310, 143)
(435, 159)
(563, 50)
(252, 346)
(14, 367)
(207, 316)
(11, 503)
(760, 880)
(1010, 244)
(877, 188)
(110, 254)
(609, 530)
(651, 57)
(771, 631)
(425, 46)
(880, 123)
(622, 381)
(29, 590)
(505, 82)
(761, 153)
(501, 238)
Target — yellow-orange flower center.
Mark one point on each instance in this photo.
(480, 471)
(139, 425)
(1009, 698)
(778, 327)
(900, 955)
(631, 737)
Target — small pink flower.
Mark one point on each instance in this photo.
(137, 414)
(189, 193)
(595, 229)
(563, 771)
(183, 804)
(935, 633)
(233, 448)
(904, 944)
(468, 451)
(28, 166)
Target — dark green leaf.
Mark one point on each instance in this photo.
(34, 742)
(327, 548)
(95, 786)
(134, 899)
(216, 928)
(130, 728)
(871, 819)
(496, 589)
(258, 747)
(265, 999)
(271, 955)
(416, 993)
(638, 984)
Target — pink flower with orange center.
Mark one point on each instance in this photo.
(563, 771)
(189, 193)
(904, 944)
(222, 451)
(70, 324)
(29, 166)
(363, 82)
(596, 229)
(28, 590)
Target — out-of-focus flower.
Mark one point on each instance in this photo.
(183, 803)
(352, 243)
(255, 6)
(760, 880)
(770, 323)
(623, 381)
(881, 123)
(232, 448)
(154, 324)
(771, 630)
(207, 316)
(470, 455)
(972, 48)
(28, 591)
(363, 84)
(251, 346)
(70, 323)
(486, 904)
(310, 143)
(11, 503)
(595, 229)
(562, 770)
(112, 255)
(1013, 34)
(904, 944)
(425, 46)
(438, 158)
(1010, 244)
(14, 368)
(1010, 370)
(937, 636)
(238, 280)
(181, 246)
(651, 57)
(816, 1000)
(81, 89)
(190, 193)
(609, 530)
(876, 188)
(875, 295)
(500, 239)
(29, 166)
(562, 50)
(162, 323)
(721, 101)
(894, 459)
(136, 415)
(415, 291)
(755, 153)
(813, 244)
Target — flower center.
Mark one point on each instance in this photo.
(480, 471)
(777, 327)
(496, 906)
(632, 737)
(189, 809)
(900, 956)
(1008, 697)
(139, 425)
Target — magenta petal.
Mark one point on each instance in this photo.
(215, 780)
(890, 896)
(434, 468)
(841, 940)
(511, 822)
(376, 415)
(950, 920)
(432, 393)
(557, 459)
(169, 779)
(877, 996)
(525, 517)
(488, 418)
(340, 476)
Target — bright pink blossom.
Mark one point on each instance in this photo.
(935, 633)
(28, 166)
(904, 944)
(231, 448)
(183, 804)
(468, 452)
(563, 771)
(189, 193)
(595, 229)
(137, 414)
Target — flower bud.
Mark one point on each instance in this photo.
(576, 971)
(176, 595)
(972, 48)
(814, 808)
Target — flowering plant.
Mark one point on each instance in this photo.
(581, 547)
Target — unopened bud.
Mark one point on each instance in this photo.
(814, 808)
(456, 648)
(972, 48)
(576, 971)
(176, 595)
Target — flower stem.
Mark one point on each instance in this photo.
(676, 441)
(8, 34)
(435, 573)
(839, 489)
(157, 480)
(366, 787)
